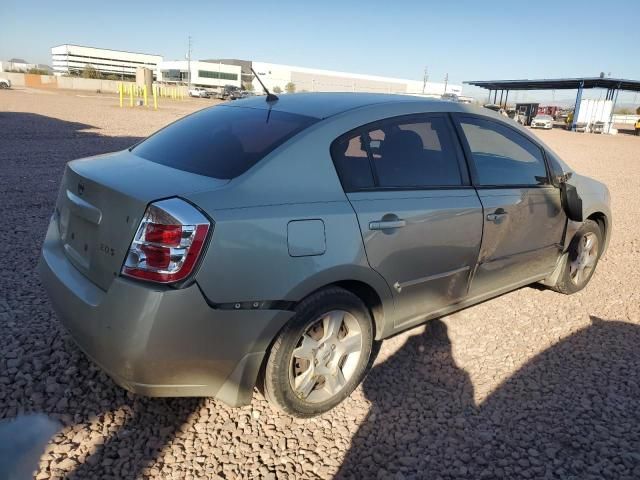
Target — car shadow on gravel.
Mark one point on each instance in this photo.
(570, 412)
(40, 370)
(132, 449)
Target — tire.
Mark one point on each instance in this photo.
(573, 278)
(315, 342)
(4, 85)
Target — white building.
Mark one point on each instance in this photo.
(317, 80)
(203, 74)
(20, 65)
(74, 58)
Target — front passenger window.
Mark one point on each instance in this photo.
(503, 156)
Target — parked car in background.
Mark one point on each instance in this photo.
(273, 243)
(198, 92)
(542, 121)
(5, 82)
(228, 92)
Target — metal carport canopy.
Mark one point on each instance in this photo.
(558, 84)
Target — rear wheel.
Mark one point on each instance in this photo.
(584, 253)
(321, 355)
(4, 85)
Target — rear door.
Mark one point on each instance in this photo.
(523, 217)
(421, 221)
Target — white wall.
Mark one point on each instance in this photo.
(625, 119)
(5, 66)
(313, 79)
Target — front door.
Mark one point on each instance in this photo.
(421, 221)
(523, 217)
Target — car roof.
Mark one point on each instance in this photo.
(323, 105)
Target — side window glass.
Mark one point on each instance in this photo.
(417, 153)
(502, 156)
(352, 163)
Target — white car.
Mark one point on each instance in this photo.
(542, 121)
(5, 82)
(198, 92)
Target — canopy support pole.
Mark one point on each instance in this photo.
(576, 109)
(613, 107)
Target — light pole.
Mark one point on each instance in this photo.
(189, 65)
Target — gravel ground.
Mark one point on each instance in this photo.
(533, 384)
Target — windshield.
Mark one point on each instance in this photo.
(221, 142)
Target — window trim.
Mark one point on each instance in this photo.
(457, 117)
(465, 177)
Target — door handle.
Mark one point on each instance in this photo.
(387, 224)
(497, 216)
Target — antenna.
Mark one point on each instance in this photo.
(270, 96)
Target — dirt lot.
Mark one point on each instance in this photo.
(529, 385)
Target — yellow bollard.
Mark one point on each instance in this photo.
(155, 98)
(121, 92)
(131, 96)
(144, 95)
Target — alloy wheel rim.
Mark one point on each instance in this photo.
(581, 267)
(326, 357)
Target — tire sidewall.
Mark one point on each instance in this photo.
(277, 384)
(589, 226)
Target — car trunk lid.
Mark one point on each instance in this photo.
(101, 202)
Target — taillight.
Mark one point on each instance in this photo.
(168, 243)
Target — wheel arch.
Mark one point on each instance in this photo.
(364, 283)
(601, 219)
(379, 302)
(604, 222)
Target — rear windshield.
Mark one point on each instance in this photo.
(221, 142)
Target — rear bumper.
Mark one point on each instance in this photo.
(159, 341)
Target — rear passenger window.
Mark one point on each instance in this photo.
(503, 156)
(417, 154)
(406, 153)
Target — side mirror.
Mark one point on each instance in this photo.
(571, 201)
(564, 178)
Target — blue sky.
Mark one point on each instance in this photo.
(466, 39)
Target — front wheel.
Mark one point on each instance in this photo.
(584, 253)
(322, 354)
(4, 85)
